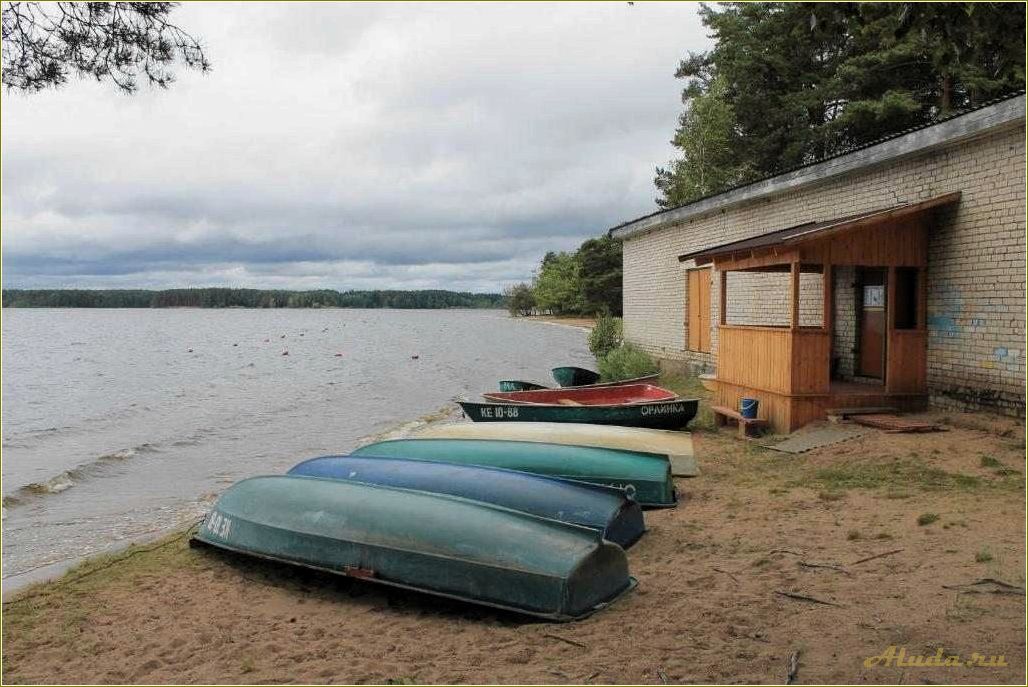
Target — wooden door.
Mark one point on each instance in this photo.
(698, 321)
(871, 300)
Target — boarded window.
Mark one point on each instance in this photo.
(698, 320)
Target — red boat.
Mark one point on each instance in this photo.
(628, 394)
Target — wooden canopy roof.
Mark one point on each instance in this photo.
(811, 231)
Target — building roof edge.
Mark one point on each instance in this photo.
(954, 129)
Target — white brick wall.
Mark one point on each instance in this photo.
(976, 272)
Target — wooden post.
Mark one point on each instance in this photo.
(723, 299)
(795, 274)
(828, 292)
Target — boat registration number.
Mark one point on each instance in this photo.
(499, 412)
(217, 524)
(662, 409)
(628, 488)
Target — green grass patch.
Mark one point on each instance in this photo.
(831, 495)
(983, 556)
(927, 519)
(990, 462)
(684, 385)
(899, 476)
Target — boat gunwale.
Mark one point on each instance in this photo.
(536, 404)
(647, 455)
(558, 617)
(490, 396)
(568, 430)
(665, 394)
(643, 455)
(602, 488)
(621, 382)
(651, 455)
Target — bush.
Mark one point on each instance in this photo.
(605, 336)
(626, 362)
(520, 299)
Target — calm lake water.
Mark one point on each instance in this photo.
(119, 424)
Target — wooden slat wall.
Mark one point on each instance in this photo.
(772, 407)
(899, 243)
(907, 362)
(811, 361)
(755, 357)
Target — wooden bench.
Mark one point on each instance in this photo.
(748, 427)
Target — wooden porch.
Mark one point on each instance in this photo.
(789, 368)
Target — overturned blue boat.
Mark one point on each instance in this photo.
(605, 509)
(434, 543)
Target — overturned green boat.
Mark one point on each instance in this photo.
(645, 477)
(434, 543)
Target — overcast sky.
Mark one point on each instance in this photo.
(350, 146)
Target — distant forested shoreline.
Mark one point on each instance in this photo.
(245, 298)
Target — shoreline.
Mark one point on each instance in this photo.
(164, 612)
(586, 323)
(14, 585)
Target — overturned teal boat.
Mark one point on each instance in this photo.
(645, 477)
(602, 508)
(434, 543)
(520, 385)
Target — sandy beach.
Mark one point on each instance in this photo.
(833, 556)
(578, 322)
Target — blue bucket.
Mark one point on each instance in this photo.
(748, 408)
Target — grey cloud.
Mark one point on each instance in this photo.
(336, 145)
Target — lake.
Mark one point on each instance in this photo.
(121, 424)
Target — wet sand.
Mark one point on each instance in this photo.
(761, 560)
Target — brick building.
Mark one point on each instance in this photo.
(955, 306)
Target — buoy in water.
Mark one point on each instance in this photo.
(414, 357)
(338, 355)
(285, 352)
(189, 350)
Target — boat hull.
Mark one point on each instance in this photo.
(574, 376)
(677, 447)
(605, 509)
(589, 396)
(518, 385)
(645, 379)
(675, 414)
(432, 543)
(645, 478)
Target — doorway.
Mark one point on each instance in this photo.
(871, 321)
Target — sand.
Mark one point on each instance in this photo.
(709, 606)
(567, 320)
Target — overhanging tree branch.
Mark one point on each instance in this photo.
(123, 42)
